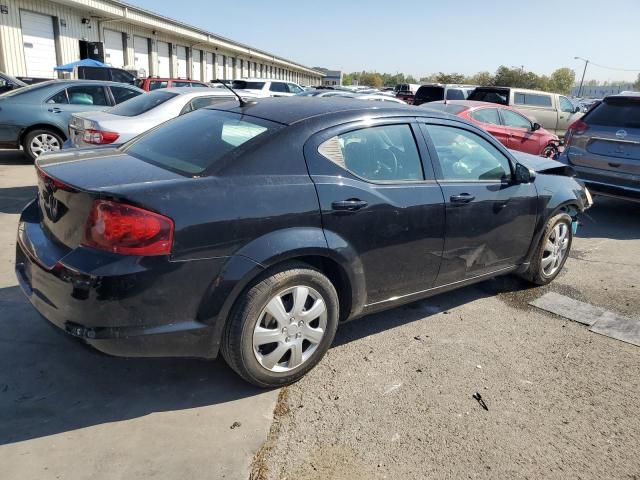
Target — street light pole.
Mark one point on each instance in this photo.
(586, 62)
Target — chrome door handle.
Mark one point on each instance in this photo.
(55, 110)
(350, 205)
(462, 198)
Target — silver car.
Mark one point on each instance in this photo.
(129, 119)
(603, 147)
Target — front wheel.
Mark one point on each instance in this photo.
(551, 151)
(37, 142)
(552, 251)
(282, 326)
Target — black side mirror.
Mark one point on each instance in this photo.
(535, 126)
(524, 174)
(578, 109)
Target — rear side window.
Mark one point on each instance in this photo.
(532, 99)
(206, 137)
(618, 112)
(156, 84)
(500, 97)
(455, 94)
(381, 154)
(87, 95)
(122, 76)
(142, 103)
(241, 84)
(278, 87)
(430, 94)
(180, 84)
(486, 115)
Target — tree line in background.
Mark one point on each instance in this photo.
(559, 81)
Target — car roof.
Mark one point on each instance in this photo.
(290, 110)
(206, 91)
(624, 95)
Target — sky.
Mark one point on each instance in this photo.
(420, 36)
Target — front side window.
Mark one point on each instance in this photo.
(87, 95)
(533, 99)
(381, 154)
(200, 102)
(207, 136)
(466, 156)
(566, 105)
(515, 120)
(293, 88)
(180, 84)
(486, 115)
(122, 94)
(121, 76)
(243, 84)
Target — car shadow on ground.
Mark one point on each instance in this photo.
(13, 157)
(14, 199)
(442, 303)
(611, 218)
(50, 383)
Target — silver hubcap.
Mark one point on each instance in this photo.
(555, 249)
(289, 329)
(44, 143)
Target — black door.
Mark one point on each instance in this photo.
(378, 201)
(490, 218)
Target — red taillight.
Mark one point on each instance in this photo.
(99, 137)
(127, 230)
(576, 128)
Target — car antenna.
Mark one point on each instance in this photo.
(242, 102)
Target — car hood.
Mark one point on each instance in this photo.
(538, 164)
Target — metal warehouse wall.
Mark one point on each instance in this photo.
(71, 29)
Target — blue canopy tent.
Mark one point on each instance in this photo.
(87, 62)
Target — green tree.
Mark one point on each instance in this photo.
(450, 77)
(480, 78)
(562, 80)
(636, 86)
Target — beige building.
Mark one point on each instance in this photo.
(37, 35)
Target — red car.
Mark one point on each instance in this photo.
(154, 83)
(513, 129)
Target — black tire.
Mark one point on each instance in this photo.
(28, 138)
(237, 341)
(536, 273)
(551, 151)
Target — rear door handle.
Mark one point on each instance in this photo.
(462, 198)
(351, 205)
(615, 165)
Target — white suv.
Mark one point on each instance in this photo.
(267, 87)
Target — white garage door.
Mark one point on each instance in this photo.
(196, 64)
(39, 44)
(141, 54)
(182, 61)
(210, 73)
(113, 48)
(164, 59)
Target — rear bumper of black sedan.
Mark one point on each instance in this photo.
(124, 306)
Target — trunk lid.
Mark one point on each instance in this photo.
(69, 182)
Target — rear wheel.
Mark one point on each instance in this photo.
(37, 142)
(553, 250)
(282, 326)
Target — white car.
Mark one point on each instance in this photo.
(268, 88)
(123, 122)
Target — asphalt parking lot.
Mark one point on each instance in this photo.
(392, 399)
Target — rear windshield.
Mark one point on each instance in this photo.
(618, 112)
(243, 84)
(192, 143)
(500, 97)
(430, 94)
(446, 107)
(142, 103)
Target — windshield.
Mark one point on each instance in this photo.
(243, 84)
(206, 136)
(430, 94)
(446, 107)
(142, 103)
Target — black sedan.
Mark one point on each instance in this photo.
(257, 229)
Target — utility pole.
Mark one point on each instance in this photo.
(586, 62)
